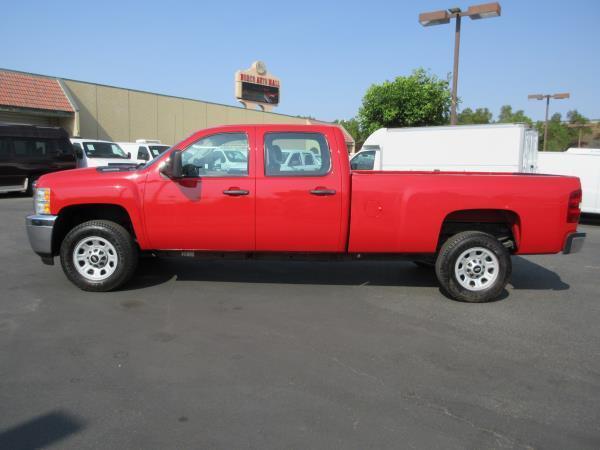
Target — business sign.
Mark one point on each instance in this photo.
(256, 87)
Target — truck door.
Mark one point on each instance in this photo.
(298, 208)
(212, 207)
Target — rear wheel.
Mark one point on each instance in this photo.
(98, 255)
(473, 266)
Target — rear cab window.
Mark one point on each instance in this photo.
(289, 154)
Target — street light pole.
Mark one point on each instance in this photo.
(475, 12)
(547, 97)
(546, 122)
(453, 118)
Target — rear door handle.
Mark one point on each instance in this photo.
(321, 191)
(235, 192)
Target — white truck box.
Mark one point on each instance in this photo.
(473, 148)
(580, 162)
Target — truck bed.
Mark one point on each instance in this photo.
(403, 212)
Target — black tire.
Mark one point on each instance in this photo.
(446, 267)
(118, 237)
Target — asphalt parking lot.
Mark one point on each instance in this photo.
(243, 354)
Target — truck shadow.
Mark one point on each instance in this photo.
(351, 273)
(590, 219)
(154, 271)
(41, 431)
(528, 275)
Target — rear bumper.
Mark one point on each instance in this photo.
(39, 232)
(573, 243)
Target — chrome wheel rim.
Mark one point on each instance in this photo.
(476, 269)
(95, 258)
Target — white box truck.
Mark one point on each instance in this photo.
(580, 162)
(472, 148)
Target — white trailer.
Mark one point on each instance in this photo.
(580, 162)
(472, 148)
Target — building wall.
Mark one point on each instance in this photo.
(124, 115)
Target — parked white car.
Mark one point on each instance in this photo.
(473, 148)
(143, 150)
(231, 158)
(580, 162)
(299, 160)
(96, 153)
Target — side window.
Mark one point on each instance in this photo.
(283, 154)
(363, 161)
(63, 147)
(4, 148)
(218, 155)
(21, 147)
(42, 149)
(143, 154)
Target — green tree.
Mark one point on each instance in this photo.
(560, 135)
(419, 99)
(508, 116)
(480, 115)
(352, 126)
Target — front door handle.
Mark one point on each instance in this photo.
(322, 191)
(235, 192)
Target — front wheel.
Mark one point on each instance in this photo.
(98, 255)
(473, 266)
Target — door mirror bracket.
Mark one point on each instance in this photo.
(173, 167)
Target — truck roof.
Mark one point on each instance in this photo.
(34, 131)
(81, 140)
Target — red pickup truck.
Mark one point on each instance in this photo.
(287, 190)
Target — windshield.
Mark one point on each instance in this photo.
(104, 150)
(157, 149)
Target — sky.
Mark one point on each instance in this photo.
(326, 53)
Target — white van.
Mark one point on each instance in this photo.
(473, 148)
(96, 153)
(143, 150)
(580, 162)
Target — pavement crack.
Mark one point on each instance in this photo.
(356, 371)
(502, 440)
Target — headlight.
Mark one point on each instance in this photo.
(41, 201)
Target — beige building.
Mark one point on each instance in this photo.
(111, 113)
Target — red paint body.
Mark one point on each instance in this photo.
(371, 212)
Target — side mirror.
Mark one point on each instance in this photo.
(78, 153)
(128, 155)
(174, 166)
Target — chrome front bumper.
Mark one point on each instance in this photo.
(573, 243)
(39, 232)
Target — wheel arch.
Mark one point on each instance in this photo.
(504, 224)
(73, 215)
